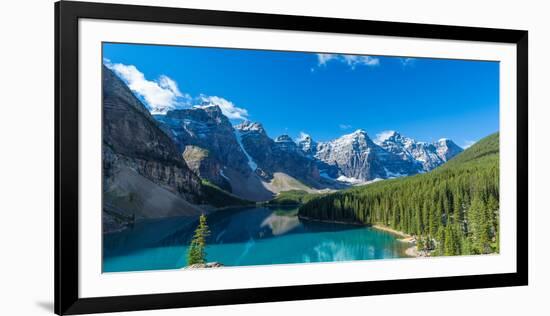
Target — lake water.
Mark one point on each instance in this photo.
(249, 236)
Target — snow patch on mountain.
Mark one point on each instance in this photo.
(251, 162)
(350, 180)
(223, 175)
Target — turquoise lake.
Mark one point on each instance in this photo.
(248, 236)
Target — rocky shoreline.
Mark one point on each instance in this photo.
(412, 250)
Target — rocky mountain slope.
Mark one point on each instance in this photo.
(206, 139)
(242, 160)
(428, 155)
(356, 158)
(279, 155)
(212, 149)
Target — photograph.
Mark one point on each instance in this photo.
(218, 157)
(275, 158)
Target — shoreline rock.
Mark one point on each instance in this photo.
(207, 265)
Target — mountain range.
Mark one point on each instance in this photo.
(189, 159)
(244, 160)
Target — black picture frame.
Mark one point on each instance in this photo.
(67, 15)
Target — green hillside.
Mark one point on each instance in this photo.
(218, 197)
(293, 197)
(453, 210)
(486, 148)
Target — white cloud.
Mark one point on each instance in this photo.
(468, 143)
(167, 83)
(345, 126)
(407, 61)
(228, 108)
(159, 95)
(163, 94)
(354, 60)
(324, 58)
(350, 60)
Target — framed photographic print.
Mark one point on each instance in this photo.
(208, 157)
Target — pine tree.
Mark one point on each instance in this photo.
(479, 225)
(493, 214)
(440, 246)
(448, 247)
(197, 253)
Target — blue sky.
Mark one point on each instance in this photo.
(324, 95)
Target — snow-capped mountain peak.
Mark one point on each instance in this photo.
(359, 132)
(428, 155)
(447, 149)
(306, 143)
(284, 139)
(248, 126)
(393, 154)
(352, 154)
(303, 137)
(386, 135)
(285, 142)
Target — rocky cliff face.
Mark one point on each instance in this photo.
(206, 127)
(206, 166)
(139, 159)
(257, 145)
(281, 155)
(213, 149)
(307, 145)
(358, 158)
(207, 140)
(426, 155)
